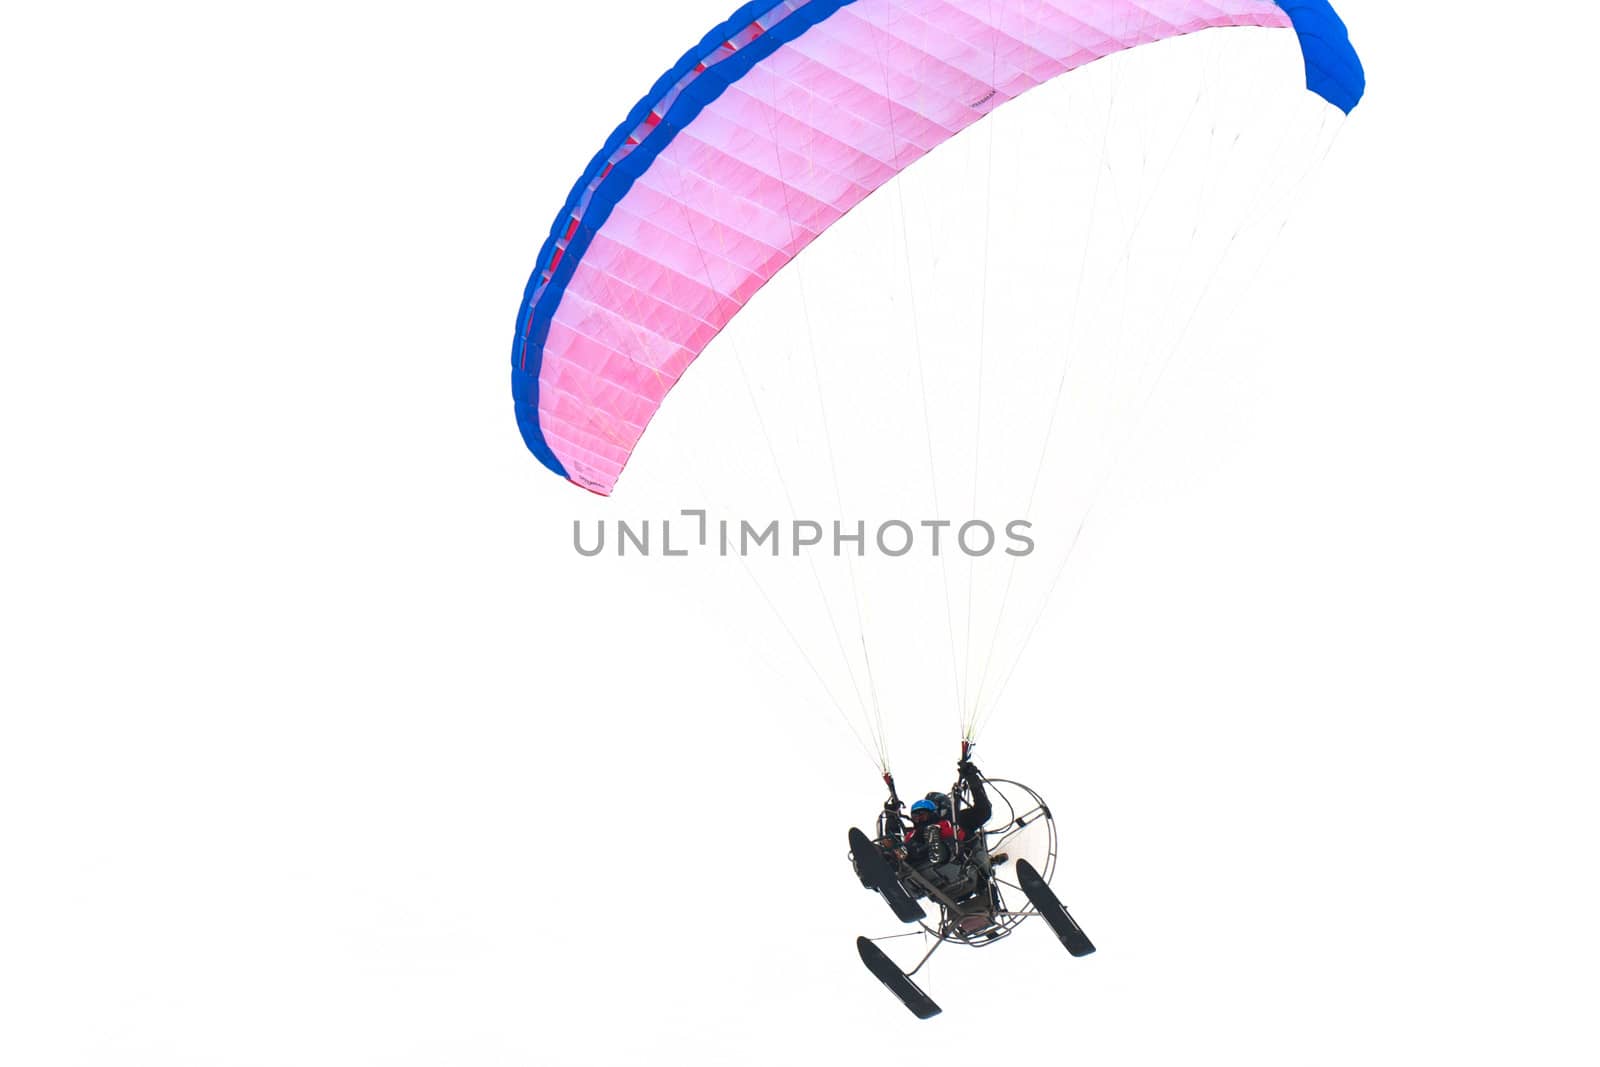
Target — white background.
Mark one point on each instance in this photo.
(321, 747)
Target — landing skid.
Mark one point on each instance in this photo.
(897, 981)
(875, 873)
(1046, 904)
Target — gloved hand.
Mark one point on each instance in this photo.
(967, 769)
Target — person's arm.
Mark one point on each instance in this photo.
(972, 818)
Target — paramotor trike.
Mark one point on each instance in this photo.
(983, 887)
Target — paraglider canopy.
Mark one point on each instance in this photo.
(776, 124)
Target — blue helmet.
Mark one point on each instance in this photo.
(924, 805)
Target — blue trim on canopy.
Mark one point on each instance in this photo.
(696, 96)
(1333, 71)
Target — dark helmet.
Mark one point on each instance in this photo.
(924, 807)
(940, 802)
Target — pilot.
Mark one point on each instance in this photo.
(935, 810)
